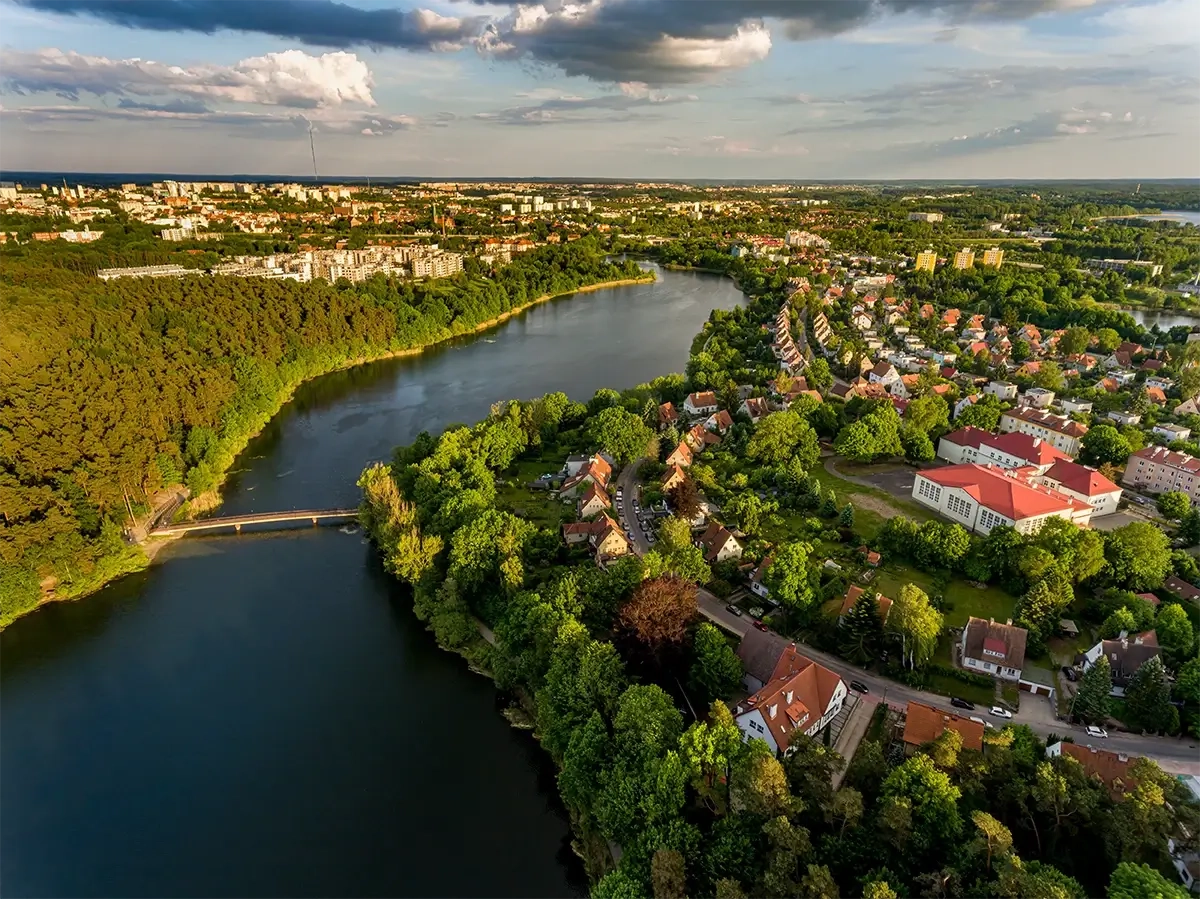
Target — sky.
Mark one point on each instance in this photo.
(646, 89)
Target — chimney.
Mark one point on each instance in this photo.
(1009, 622)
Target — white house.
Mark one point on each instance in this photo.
(1171, 433)
(1084, 484)
(981, 497)
(718, 544)
(1071, 406)
(755, 407)
(1037, 397)
(1058, 430)
(1011, 450)
(797, 693)
(1124, 418)
(704, 403)
(757, 587)
(1126, 654)
(1002, 390)
(883, 373)
(965, 403)
(992, 648)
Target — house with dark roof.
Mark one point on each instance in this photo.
(757, 587)
(756, 408)
(798, 695)
(1181, 588)
(718, 544)
(924, 724)
(1126, 654)
(993, 648)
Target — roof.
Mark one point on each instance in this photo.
(1006, 640)
(672, 475)
(595, 491)
(1080, 479)
(882, 367)
(714, 538)
(1110, 767)
(924, 724)
(1181, 588)
(795, 698)
(724, 421)
(852, 595)
(667, 413)
(1014, 443)
(1149, 597)
(1048, 420)
(756, 406)
(683, 451)
(1127, 654)
(704, 398)
(1004, 491)
(1162, 456)
(760, 652)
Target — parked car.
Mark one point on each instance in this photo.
(1093, 731)
(962, 703)
(733, 610)
(979, 720)
(1000, 712)
(859, 687)
(1070, 673)
(761, 626)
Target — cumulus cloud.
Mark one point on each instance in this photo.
(652, 41)
(292, 78)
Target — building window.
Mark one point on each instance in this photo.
(929, 491)
(958, 506)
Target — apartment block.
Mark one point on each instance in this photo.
(1157, 469)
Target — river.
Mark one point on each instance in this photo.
(262, 715)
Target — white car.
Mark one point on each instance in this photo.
(978, 720)
(1093, 731)
(999, 712)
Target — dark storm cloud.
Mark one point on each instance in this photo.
(320, 23)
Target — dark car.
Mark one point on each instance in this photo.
(733, 610)
(1070, 673)
(859, 687)
(961, 703)
(761, 626)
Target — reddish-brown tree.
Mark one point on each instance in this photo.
(659, 612)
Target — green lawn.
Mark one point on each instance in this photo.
(535, 505)
(948, 686)
(872, 506)
(966, 599)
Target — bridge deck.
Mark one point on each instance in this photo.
(237, 521)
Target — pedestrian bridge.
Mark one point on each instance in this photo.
(238, 521)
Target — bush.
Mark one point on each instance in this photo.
(966, 677)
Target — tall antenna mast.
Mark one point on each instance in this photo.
(313, 147)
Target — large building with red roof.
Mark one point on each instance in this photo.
(797, 694)
(1084, 484)
(1011, 450)
(981, 497)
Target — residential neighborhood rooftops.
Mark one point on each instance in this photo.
(1002, 643)
(1080, 479)
(1160, 455)
(924, 724)
(1181, 588)
(1004, 491)
(1048, 420)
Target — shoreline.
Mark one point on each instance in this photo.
(211, 499)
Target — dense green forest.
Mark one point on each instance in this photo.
(598, 657)
(116, 390)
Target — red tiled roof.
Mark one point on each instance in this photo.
(923, 724)
(1081, 479)
(1004, 492)
(1171, 459)
(704, 398)
(1110, 767)
(854, 592)
(1014, 443)
(811, 688)
(595, 491)
(667, 413)
(1048, 420)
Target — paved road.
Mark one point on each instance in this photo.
(627, 483)
(1176, 756)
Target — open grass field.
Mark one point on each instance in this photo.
(962, 598)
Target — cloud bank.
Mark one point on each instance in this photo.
(655, 41)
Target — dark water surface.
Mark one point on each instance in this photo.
(262, 715)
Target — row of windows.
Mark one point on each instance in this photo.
(929, 491)
(989, 519)
(956, 505)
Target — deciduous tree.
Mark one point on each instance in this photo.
(716, 670)
(659, 612)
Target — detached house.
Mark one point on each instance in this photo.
(995, 649)
(924, 724)
(595, 471)
(603, 535)
(882, 603)
(700, 437)
(755, 407)
(672, 478)
(1125, 655)
(667, 415)
(794, 692)
(681, 455)
(1110, 767)
(593, 502)
(719, 422)
(719, 544)
(883, 373)
(704, 403)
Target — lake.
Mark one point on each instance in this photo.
(262, 715)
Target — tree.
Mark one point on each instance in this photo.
(1174, 629)
(1138, 556)
(1040, 609)
(668, 876)
(818, 375)
(1049, 376)
(860, 632)
(684, 499)
(1130, 881)
(917, 623)
(708, 748)
(781, 435)
(488, 548)
(992, 839)
(846, 809)
(1174, 505)
(716, 670)
(749, 510)
(856, 442)
(818, 883)
(917, 445)
(659, 612)
(984, 414)
(676, 554)
(1102, 444)
(618, 884)
(1074, 341)
(758, 784)
(933, 801)
(879, 889)
(928, 414)
(728, 888)
(1107, 340)
(1148, 698)
(846, 517)
(788, 578)
(1092, 702)
(1120, 620)
(622, 434)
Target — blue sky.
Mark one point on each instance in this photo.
(605, 88)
